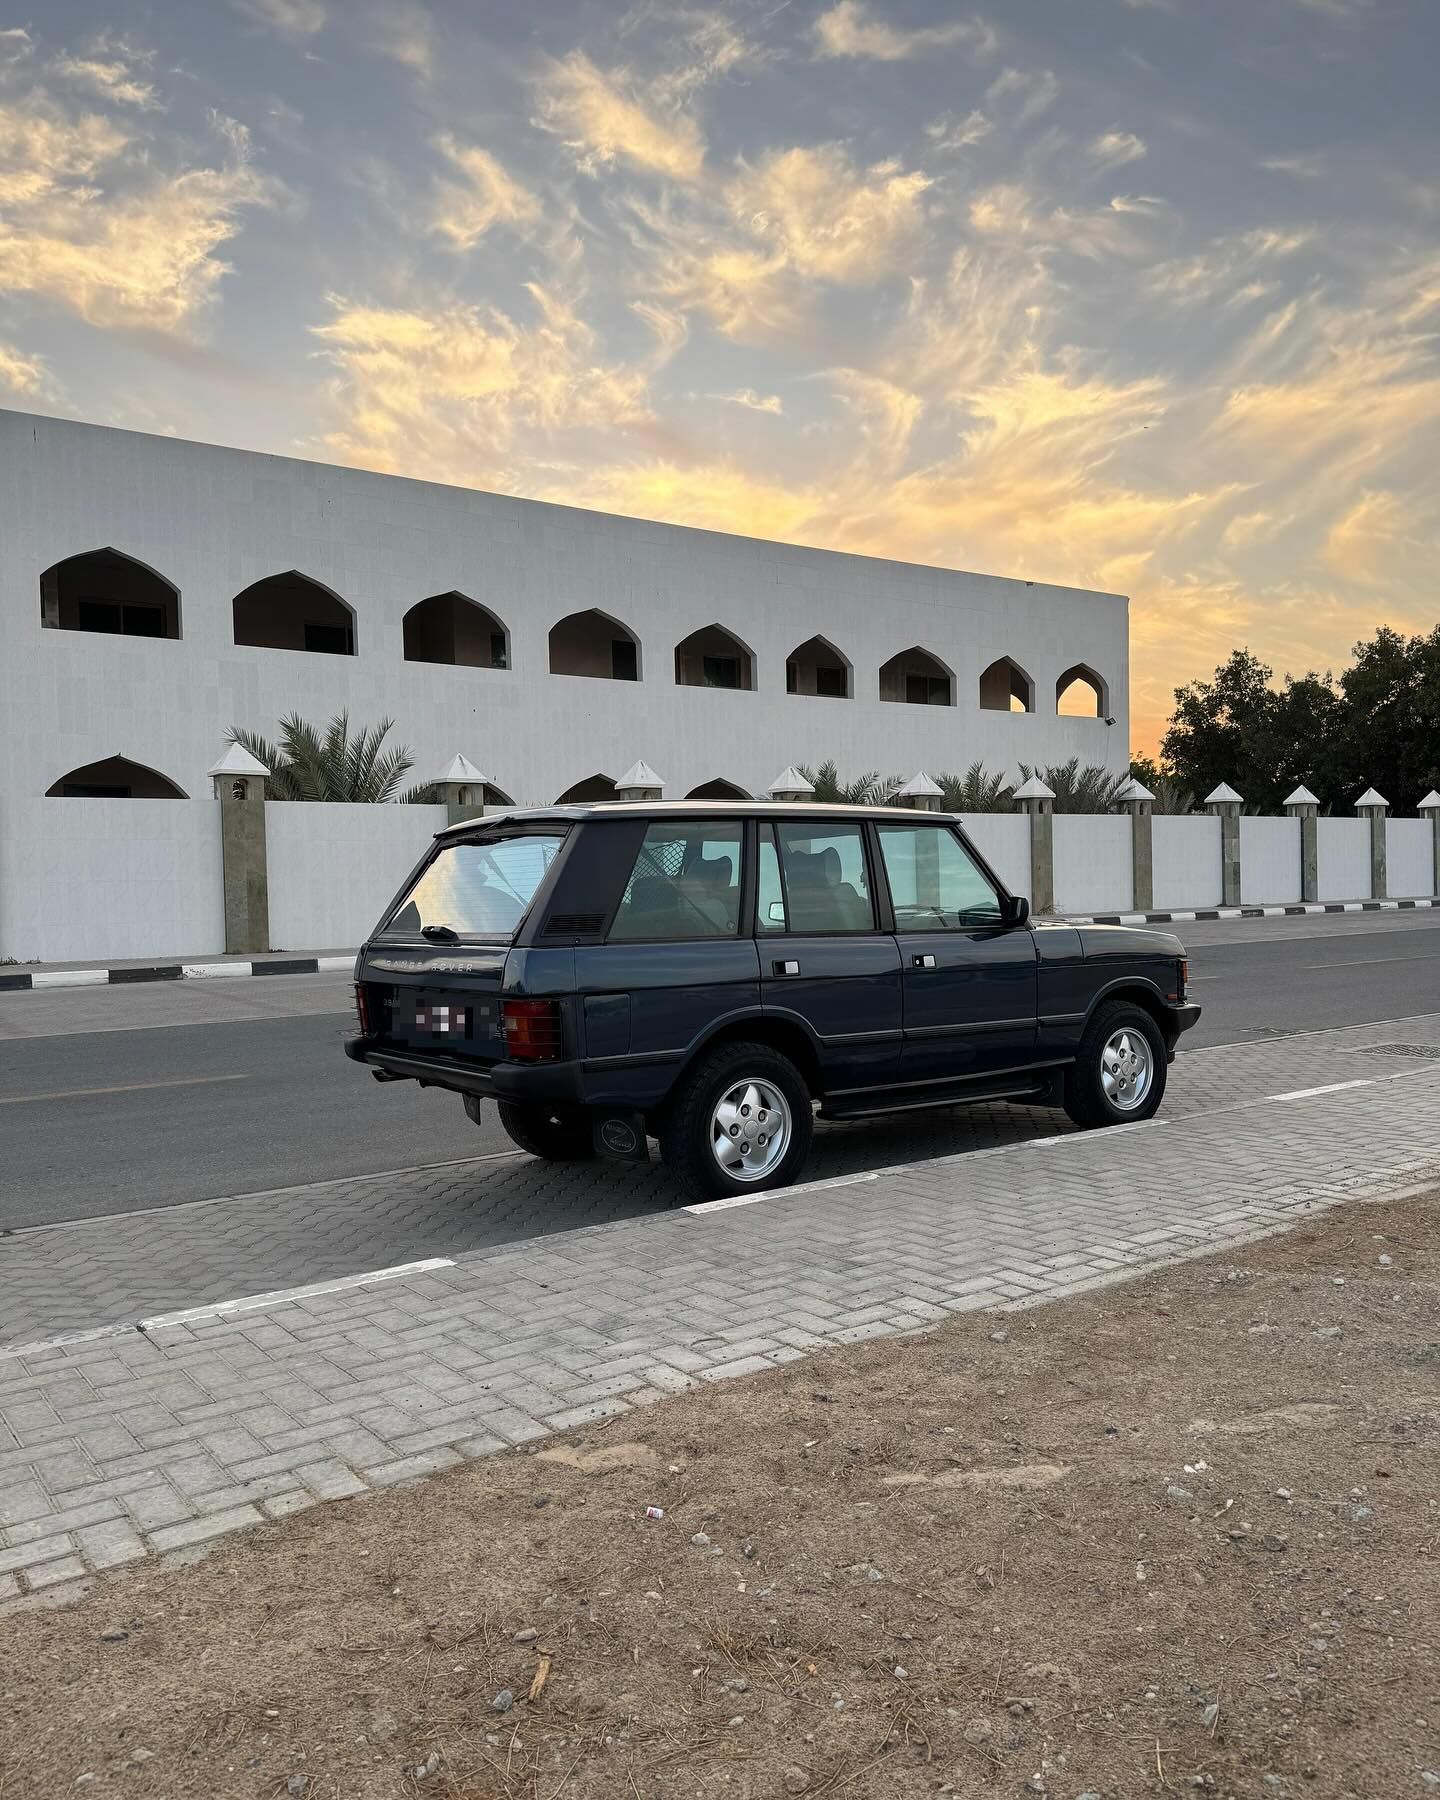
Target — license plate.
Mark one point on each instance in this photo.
(443, 1020)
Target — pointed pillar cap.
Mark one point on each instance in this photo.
(640, 775)
(1034, 789)
(1135, 790)
(919, 787)
(237, 760)
(1301, 797)
(1431, 802)
(1223, 795)
(461, 769)
(791, 781)
(1371, 798)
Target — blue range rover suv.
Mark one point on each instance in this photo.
(708, 974)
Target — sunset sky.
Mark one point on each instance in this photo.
(1133, 294)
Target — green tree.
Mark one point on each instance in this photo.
(976, 791)
(1092, 789)
(870, 789)
(333, 763)
(1390, 725)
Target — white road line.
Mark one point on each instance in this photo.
(124, 1087)
(1365, 962)
(730, 1201)
(1333, 1087)
(222, 1309)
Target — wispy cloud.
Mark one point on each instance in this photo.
(950, 133)
(601, 118)
(1112, 149)
(487, 195)
(403, 32)
(850, 28)
(1035, 90)
(293, 19)
(27, 377)
(751, 401)
(1307, 167)
(112, 69)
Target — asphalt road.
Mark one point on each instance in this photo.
(117, 1099)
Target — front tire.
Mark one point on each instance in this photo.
(558, 1136)
(742, 1120)
(1119, 1072)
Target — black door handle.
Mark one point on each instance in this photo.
(923, 960)
(788, 967)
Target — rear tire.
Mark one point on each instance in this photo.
(558, 1136)
(741, 1121)
(1119, 1073)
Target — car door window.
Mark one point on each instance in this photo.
(685, 883)
(826, 885)
(935, 883)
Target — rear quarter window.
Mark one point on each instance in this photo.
(685, 883)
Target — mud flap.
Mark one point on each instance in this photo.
(621, 1136)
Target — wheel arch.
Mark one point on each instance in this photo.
(778, 1032)
(1140, 992)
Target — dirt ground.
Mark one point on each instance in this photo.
(1178, 1536)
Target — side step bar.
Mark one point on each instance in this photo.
(875, 1105)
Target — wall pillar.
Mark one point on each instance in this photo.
(1431, 805)
(461, 787)
(921, 794)
(239, 782)
(1303, 805)
(1373, 806)
(1225, 805)
(1139, 802)
(640, 782)
(1038, 801)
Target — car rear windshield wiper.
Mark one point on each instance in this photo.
(440, 934)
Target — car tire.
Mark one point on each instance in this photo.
(559, 1136)
(746, 1084)
(1118, 1077)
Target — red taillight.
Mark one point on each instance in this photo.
(1182, 980)
(362, 1008)
(532, 1029)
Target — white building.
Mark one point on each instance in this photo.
(153, 593)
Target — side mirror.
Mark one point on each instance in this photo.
(1014, 910)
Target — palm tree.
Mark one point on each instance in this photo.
(307, 763)
(870, 789)
(1093, 789)
(976, 791)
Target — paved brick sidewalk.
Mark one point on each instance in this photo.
(142, 1443)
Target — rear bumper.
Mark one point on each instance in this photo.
(552, 1082)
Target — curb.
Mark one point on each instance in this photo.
(12, 981)
(1246, 912)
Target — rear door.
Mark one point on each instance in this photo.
(823, 958)
(434, 969)
(970, 981)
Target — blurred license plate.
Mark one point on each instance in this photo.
(443, 1019)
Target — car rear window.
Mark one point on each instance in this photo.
(478, 889)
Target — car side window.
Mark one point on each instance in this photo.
(770, 893)
(935, 883)
(685, 883)
(826, 885)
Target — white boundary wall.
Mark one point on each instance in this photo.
(333, 867)
(1410, 858)
(1344, 857)
(1003, 839)
(1185, 861)
(109, 878)
(1093, 871)
(1269, 861)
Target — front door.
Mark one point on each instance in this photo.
(823, 958)
(970, 981)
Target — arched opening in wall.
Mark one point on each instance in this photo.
(917, 678)
(718, 789)
(103, 591)
(1005, 687)
(292, 612)
(587, 792)
(817, 667)
(714, 658)
(592, 643)
(452, 628)
(115, 778)
(1082, 694)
